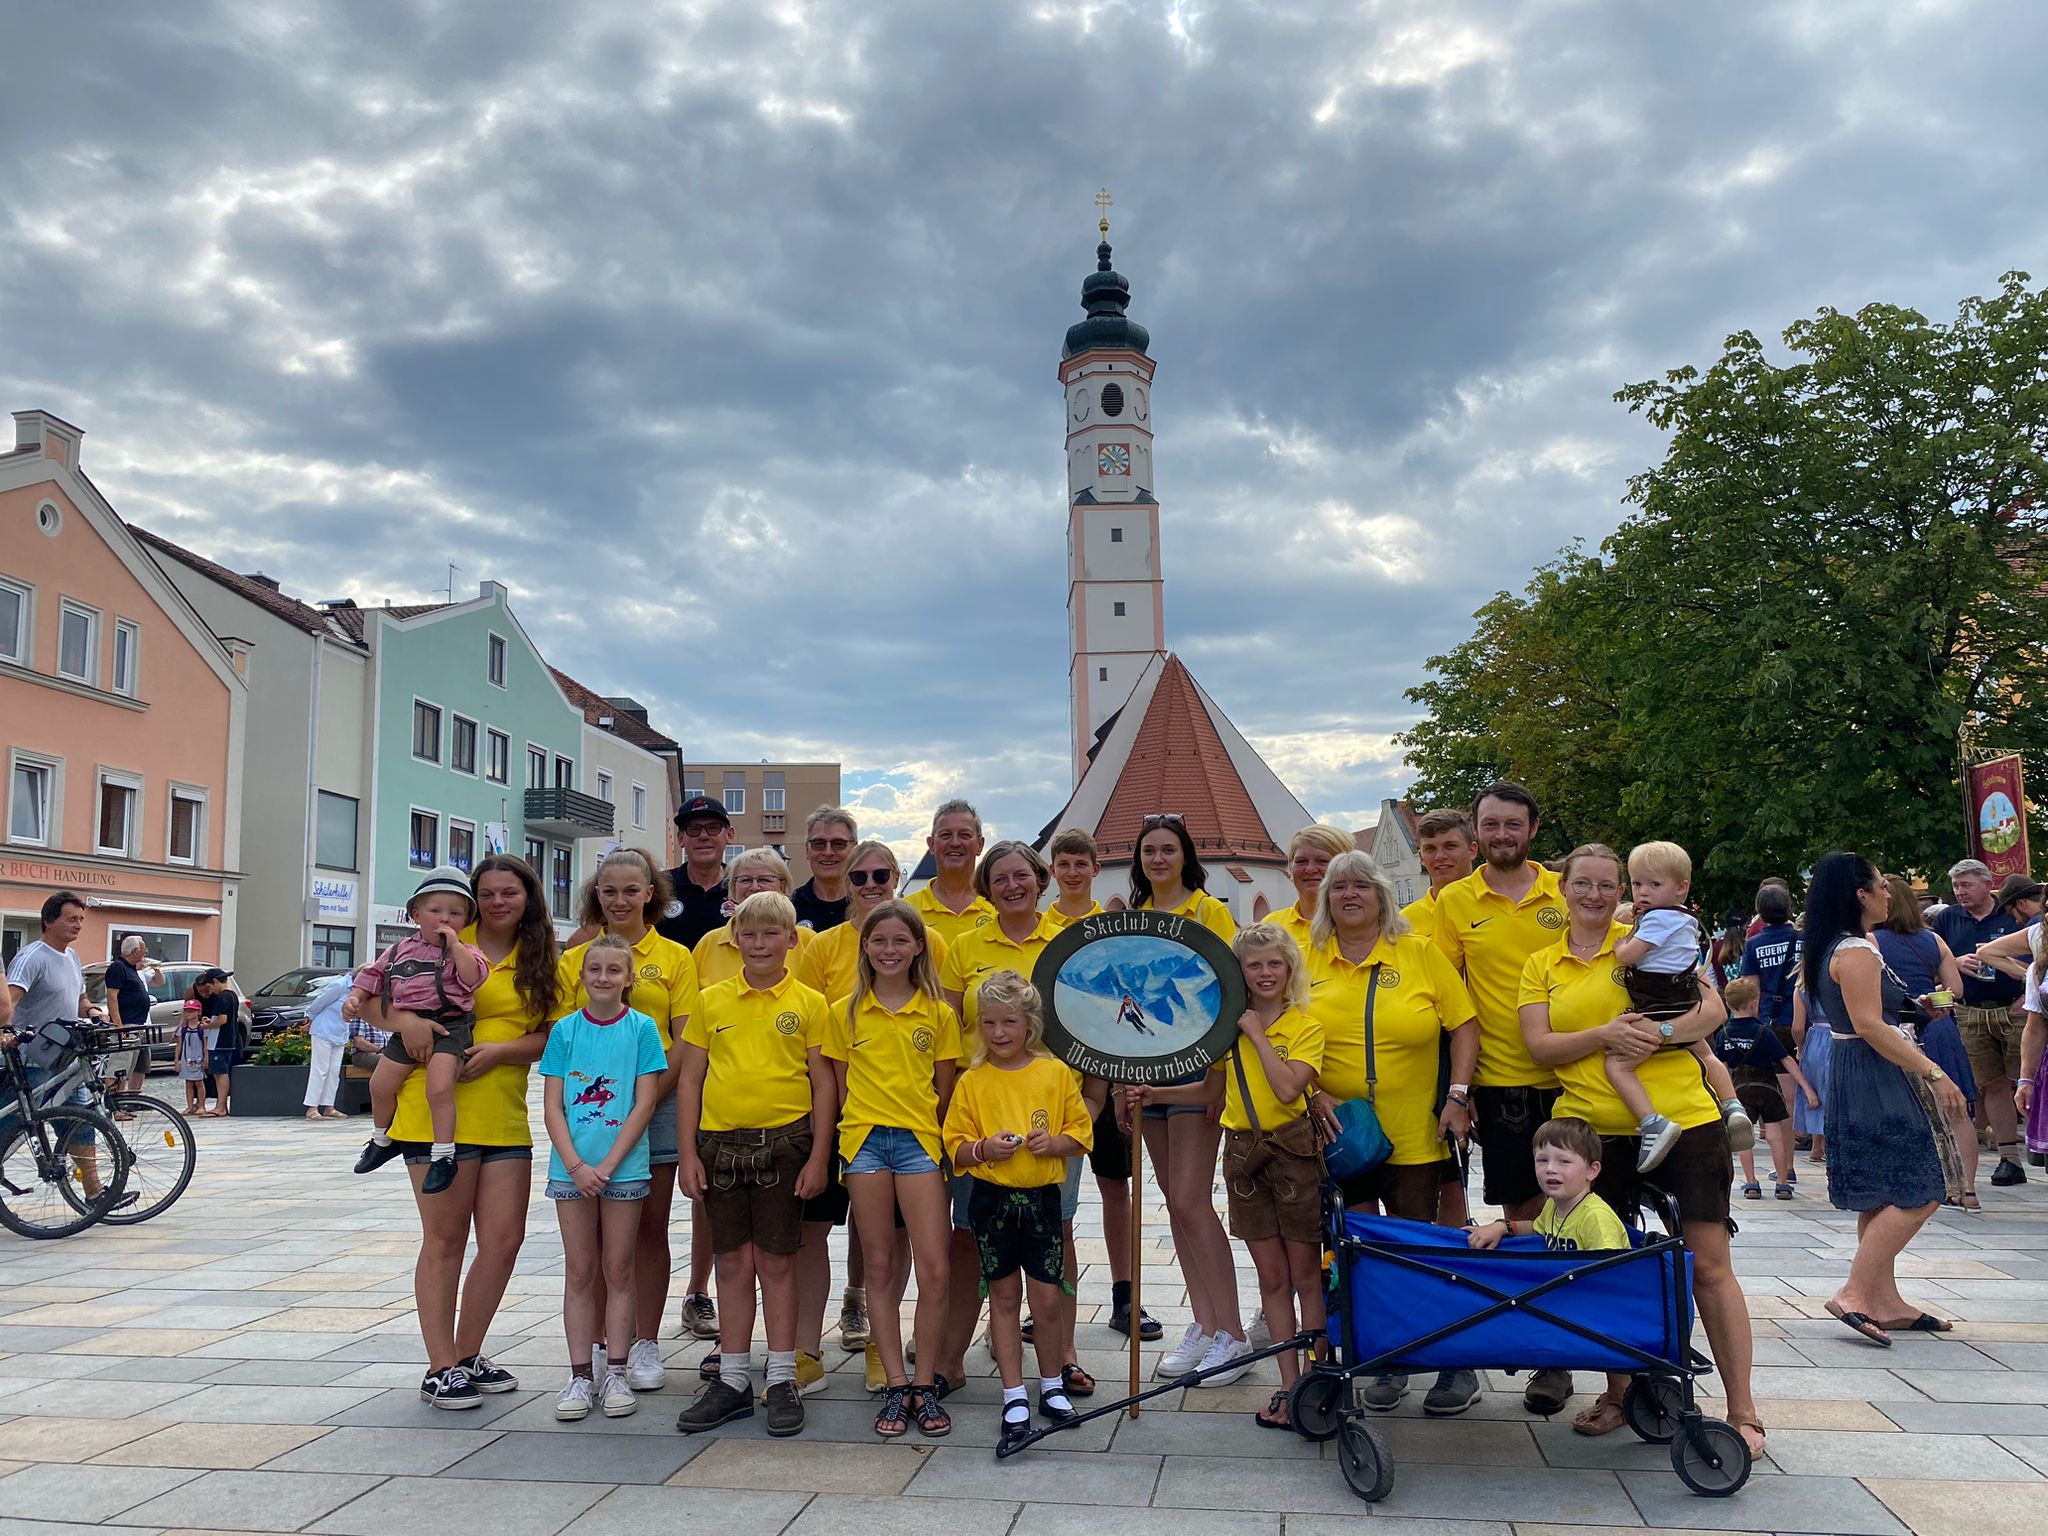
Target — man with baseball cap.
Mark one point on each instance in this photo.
(700, 907)
(1984, 1013)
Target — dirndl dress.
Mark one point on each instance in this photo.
(1813, 1061)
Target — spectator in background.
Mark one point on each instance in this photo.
(1986, 1013)
(130, 975)
(1920, 959)
(330, 1036)
(220, 1011)
(46, 983)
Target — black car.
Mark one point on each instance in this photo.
(282, 1004)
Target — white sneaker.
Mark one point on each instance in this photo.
(1223, 1349)
(1186, 1355)
(644, 1372)
(617, 1399)
(576, 1398)
(1659, 1136)
(1258, 1335)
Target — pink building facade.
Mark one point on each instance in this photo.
(123, 721)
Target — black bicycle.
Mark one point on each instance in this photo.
(53, 1181)
(161, 1151)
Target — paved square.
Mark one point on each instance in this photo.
(249, 1362)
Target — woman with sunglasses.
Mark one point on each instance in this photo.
(1180, 1125)
(830, 962)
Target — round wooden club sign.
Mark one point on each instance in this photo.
(1139, 996)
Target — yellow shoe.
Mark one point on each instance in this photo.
(877, 1378)
(810, 1372)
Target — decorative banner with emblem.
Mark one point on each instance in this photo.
(1998, 817)
(1140, 997)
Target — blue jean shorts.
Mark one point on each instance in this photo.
(1070, 1188)
(661, 1134)
(961, 1189)
(891, 1149)
(615, 1189)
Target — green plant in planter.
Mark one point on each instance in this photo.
(285, 1048)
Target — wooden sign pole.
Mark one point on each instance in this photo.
(1137, 1251)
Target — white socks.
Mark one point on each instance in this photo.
(1016, 1406)
(737, 1371)
(781, 1365)
(381, 1135)
(1052, 1392)
(442, 1149)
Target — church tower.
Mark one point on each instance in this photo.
(1116, 621)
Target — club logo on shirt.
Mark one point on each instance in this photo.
(1550, 917)
(982, 920)
(922, 1038)
(1040, 1120)
(1621, 975)
(650, 972)
(787, 1023)
(1280, 1050)
(673, 909)
(1389, 977)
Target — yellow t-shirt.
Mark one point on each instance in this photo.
(1490, 938)
(1296, 1037)
(1290, 922)
(1421, 914)
(664, 982)
(983, 952)
(1420, 999)
(1584, 994)
(717, 957)
(491, 1111)
(945, 922)
(759, 1042)
(830, 962)
(1591, 1227)
(1209, 912)
(1060, 919)
(989, 1100)
(891, 1061)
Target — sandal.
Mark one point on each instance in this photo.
(1274, 1414)
(932, 1420)
(1863, 1323)
(893, 1422)
(1603, 1418)
(1926, 1322)
(1739, 1425)
(1784, 1191)
(1753, 1191)
(1968, 1201)
(1077, 1381)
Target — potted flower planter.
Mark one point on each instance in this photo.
(272, 1082)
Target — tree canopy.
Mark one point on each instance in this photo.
(1828, 591)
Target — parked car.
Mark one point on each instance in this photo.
(282, 1004)
(167, 1006)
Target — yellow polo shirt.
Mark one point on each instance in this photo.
(718, 958)
(990, 1100)
(491, 1111)
(1060, 919)
(664, 982)
(830, 962)
(1490, 938)
(1420, 999)
(1290, 922)
(1421, 914)
(1209, 912)
(1584, 994)
(759, 1042)
(979, 955)
(891, 1061)
(1296, 1037)
(944, 921)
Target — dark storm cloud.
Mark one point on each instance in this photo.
(725, 334)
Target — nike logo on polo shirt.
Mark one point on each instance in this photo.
(1481, 922)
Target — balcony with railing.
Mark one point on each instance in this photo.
(566, 814)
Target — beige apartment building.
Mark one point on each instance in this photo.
(767, 803)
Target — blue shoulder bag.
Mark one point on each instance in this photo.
(1361, 1144)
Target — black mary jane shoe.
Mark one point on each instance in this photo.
(440, 1174)
(1015, 1433)
(376, 1154)
(1051, 1410)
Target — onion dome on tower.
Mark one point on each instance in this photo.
(1105, 294)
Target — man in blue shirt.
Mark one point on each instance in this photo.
(129, 975)
(1985, 1014)
(1771, 955)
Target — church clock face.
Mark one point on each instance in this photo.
(1113, 459)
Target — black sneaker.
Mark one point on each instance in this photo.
(785, 1409)
(1454, 1392)
(715, 1404)
(486, 1377)
(451, 1388)
(1381, 1393)
(2008, 1173)
(440, 1174)
(376, 1154)
(1148, 1325)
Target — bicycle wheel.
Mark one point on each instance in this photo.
(40, 1195)
(162, 1153)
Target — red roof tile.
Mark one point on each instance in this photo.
(1366, 839)
(1178, 763)
(302, 615)
(596, 708)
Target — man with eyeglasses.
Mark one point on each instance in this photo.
(950, 906)
(700, 907)
(821, 901)
(1490, 923)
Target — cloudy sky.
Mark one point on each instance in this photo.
(725, 334)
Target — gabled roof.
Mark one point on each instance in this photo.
(1366, 839)
(314, 621)
(1172, 749)
(597, 709)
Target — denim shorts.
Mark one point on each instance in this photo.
(961, 1188)
(220, 1063)
(1168, 1111)
(615, 1189)
(891, 1149)
(661, 1134)
(419, 1153)
(1070, 1188)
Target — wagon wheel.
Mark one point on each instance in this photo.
(1652, 1406)
(1368, 1466)
(1710, 1457)
(1315, 1406)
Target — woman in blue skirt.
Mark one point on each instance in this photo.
(1891, 1148)
(1920, 958)
(1810, 1032)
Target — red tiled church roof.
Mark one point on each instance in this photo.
(1178, 763)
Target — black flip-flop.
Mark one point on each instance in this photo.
(1277, 1401)
(1926, 1322)
(1864, 1324)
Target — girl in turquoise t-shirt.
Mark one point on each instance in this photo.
(600, 1071)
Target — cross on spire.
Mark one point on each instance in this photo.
(1104, 202)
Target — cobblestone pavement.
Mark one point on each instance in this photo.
(249, 1362)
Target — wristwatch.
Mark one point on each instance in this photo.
(1933, 1075)
(1667, 1030)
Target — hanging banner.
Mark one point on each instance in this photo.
(1140, 997)
(1998, 819)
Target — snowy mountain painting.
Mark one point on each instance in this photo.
(1136, 995)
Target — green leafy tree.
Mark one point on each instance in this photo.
(1828, 588)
